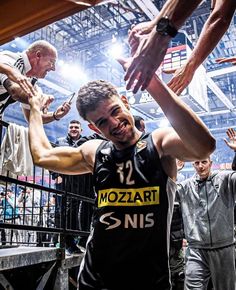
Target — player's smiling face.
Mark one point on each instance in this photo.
(114, 120)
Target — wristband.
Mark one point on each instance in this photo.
(55, 117)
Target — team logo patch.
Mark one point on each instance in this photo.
(141, 145)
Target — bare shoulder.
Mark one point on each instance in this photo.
(169, 165)
(168, 162)
(159, 135)
(89, 149)
(160, 132)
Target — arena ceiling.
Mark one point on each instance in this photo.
(85, 38)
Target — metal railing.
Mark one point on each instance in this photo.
(33, 212)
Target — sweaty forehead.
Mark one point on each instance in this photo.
(103, 108)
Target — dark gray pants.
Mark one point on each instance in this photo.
(203, 264)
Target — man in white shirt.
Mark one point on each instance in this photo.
(18, 70)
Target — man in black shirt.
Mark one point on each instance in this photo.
(78, 212)
(134, 177)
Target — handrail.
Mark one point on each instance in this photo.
(39, 219)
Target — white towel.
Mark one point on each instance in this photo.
(15, 153)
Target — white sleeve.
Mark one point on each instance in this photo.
(3, 78)
(5, 59)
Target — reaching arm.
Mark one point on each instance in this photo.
(15, 76)
(151, 49)
(65, 160)
(191, 139)
(213, 30)
(48, 117)
(18, 94)
(234, 162)
(231, 133)
(232, 60)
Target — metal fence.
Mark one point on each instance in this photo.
(33, 212)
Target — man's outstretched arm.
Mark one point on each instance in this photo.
(191, 139)
(15, 76)
(152, 46)
(21, 95)
(65, 160)
(213, 30)
(232, 60)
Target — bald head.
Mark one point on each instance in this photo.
(42, 57)
(41, 45)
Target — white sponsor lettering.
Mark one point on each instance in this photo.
(135, 221)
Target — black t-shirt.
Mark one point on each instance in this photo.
(131, 221)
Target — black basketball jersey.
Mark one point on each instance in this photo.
(128, 247)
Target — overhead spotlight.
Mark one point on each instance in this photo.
(113, 39)
(132, 100)
(60, 62)
(164, 123)
(73, 73)
(116, 50)
(21, 42)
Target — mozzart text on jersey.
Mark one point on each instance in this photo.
(128, 197)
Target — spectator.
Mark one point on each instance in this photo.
(2, 231)
(33, 63)
(207, 202)
(11, 215)
(133, 179)
(28, 204)
(139, 123)
(49, 218)
(78, 212)
(154, 36)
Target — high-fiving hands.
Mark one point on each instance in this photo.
(42, 102)
(181, 78)
(144, 42)
(15, 76)
(232, 60)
